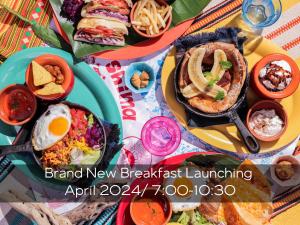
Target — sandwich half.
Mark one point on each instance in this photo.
(116, 10)
(100, 31)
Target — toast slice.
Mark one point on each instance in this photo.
(50, 89)
(40, 75)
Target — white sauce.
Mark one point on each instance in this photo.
(282, 63)
(266, 123)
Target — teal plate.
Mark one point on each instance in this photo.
(89, 90)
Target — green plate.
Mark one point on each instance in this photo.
(89, 90)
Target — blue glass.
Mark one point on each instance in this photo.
(261, 13)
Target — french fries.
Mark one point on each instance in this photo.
(150, 17)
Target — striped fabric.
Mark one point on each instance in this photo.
(6, 167)
(219, 12)
(15, 35)
(285, 32)
(7, 18)
(286, 200)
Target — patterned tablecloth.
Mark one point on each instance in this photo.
(137, 109)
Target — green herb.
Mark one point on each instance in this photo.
(220, 95)
(44, 33)
(198, 219)
(211, 83)
(225, 65)
(184, 219)
(207, 74)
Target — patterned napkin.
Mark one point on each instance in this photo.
(15, 35)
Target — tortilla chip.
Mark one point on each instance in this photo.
(50, 89)
(40, 75)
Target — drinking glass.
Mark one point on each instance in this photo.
(261, 13)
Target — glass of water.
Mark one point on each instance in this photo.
(261, 13)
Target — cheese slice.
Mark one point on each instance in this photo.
(40, 75)
(50, 89)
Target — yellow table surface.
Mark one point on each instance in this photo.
(292, 215)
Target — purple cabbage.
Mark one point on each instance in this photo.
(108, 13)
(94, 136)
(71, 9)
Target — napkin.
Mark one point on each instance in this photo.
(14, 34)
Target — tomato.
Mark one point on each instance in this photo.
(104, 31)
(118, 3)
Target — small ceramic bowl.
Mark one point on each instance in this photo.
(262, 91)
(268, 104)
(6, 95)
(161, 32)
(139, 68)
(154, 195)
(295, 179)
(54, 60)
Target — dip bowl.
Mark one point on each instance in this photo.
(54, 60)
(151, 201)
(5, 110)
(262, 91)
(268, 104)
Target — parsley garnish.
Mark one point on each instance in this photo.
(220, 95)
(211, 83)
(207, 74)
(225, 65)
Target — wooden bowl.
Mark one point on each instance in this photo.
(268, 104)
(54, 60)
(5, 110)
(161, 32)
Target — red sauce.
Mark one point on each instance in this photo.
(20, 105)
(148, 211)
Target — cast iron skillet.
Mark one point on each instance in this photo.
(249, 140)
(28, 148)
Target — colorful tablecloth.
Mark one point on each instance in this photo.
(137, 109)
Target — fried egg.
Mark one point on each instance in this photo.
(181, 189)
(51, 127)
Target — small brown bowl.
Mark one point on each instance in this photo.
(161, 32)
(268, 104)
(54, 60)
(262, 91)
(13, 95)
(295, 179)
(153, 194)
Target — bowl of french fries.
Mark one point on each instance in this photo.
(151, 18)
